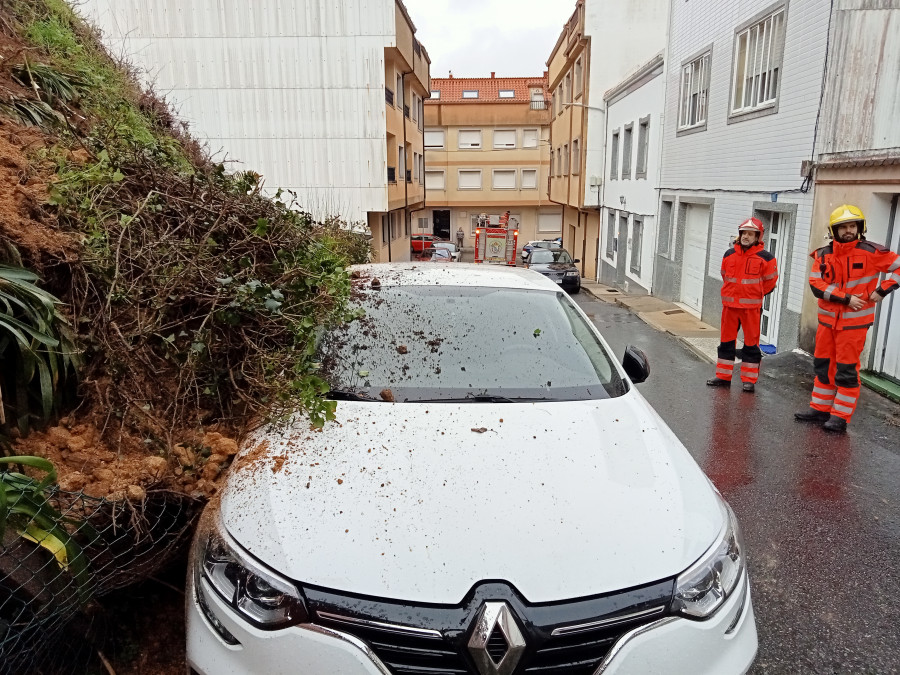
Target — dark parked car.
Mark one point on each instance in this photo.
(557, 265)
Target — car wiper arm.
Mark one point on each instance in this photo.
(343, 395)
(478, 399)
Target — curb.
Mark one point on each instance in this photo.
(691, 348)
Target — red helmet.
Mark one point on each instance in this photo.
(752, 225)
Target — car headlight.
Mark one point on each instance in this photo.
(257, 594)
(704, 586)
(571, 274)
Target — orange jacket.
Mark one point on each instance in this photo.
(841, 270)
(747, 276)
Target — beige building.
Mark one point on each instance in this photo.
(487, 151)
(407, 85)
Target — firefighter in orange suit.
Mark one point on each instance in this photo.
(749, 273)
(844, 277)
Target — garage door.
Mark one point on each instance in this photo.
(693, 268)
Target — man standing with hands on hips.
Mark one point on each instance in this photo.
(749, 273)
(844, 278)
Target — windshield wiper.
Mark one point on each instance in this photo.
(343, 395)
(478, 399)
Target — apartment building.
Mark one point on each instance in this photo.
(858, 155)
(600, 45)
(324, 100)
(487, 151)
(634, 115)
(743, 96)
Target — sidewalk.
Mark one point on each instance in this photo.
(666, 317)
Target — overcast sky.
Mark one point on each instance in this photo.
(471, 38)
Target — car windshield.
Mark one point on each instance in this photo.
(465, 343)
(440, 253)
(545, 244)
(543, 256)
(444, 245)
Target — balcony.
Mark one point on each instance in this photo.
(392, 175)
(540, 104)
(389, 96)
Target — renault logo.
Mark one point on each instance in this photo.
(496, 643)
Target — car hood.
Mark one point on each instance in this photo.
(552, 267)
(420, 501)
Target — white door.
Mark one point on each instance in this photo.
(886, 359)
(771, 309)
(693, 266)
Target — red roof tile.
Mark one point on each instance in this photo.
(488, 89)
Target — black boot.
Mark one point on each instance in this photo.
(718, 382)
(812, 415)
(836, 425)
(749, 387)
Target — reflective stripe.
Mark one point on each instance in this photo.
(823, 391)
(754, 280)
(815, 275)
(828, 291)
(725, 362)
(730, 280)
(724, 299)
(825, 312)
(894, 265)
(842, 408)
(726, 373)
(772, 276)
(864, 280)
(749, 366)
(894, 277)
(821, 401)
(845, 398)
(862, 312)
(750, 301)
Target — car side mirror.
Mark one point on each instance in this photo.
(636, 364)
(576, 260)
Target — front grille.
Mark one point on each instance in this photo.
(565, 638)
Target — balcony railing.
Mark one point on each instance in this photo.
(409, 176)
(392, 175)
(540, 104)
(389, 96)
(406, 110)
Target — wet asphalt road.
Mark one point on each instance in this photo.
(820, 514)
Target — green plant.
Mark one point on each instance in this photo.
(25, 507)
(36, 343)
(48, 83)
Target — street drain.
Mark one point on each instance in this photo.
(674, 311)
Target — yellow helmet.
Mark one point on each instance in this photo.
(846, 213)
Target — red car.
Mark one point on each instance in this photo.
(420, 242)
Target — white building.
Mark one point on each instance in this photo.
(322, 98)
(631, 178)
(743, 94)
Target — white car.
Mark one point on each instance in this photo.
(467, 513)
(447, 246)
(540, 243)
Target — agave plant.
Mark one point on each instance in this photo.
(25, 508)
(37, 345)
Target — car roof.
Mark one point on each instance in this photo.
(459, 274)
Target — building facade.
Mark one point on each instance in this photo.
(631, 178)
(322, 99)
(600, 45)
(743, 93)
(858, 154)
(487, 151)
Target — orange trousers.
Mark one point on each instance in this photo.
(836, 362)
(732, 320)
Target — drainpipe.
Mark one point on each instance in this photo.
(890, 310)
(405, 160)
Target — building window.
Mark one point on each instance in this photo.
(392, 228)
(530, 138)
(401, 162)
(568, 88)
(434, 180)
(664, 241)
(415, 108)
(470, 93)
(421, 113)
(694, 93)
(385, 228)
(434, 139)
(610, 234)
(435, 93)
(469, 139)
(407, 219)
(507, 93)
(642, 149)
(559, 162)
(757, 64)
(422, 167)
(469, 179)
(415, 166)
(529, 179)
(503, 179)
(579, 75)
(626, 152)
(552, 161)
(637, 239)
(400, 100)
(504, 139)
(553, 103)
(565, 159)
(576, 157)
(423, 223)
(614, 157)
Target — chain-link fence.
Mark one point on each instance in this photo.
(108, 545)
